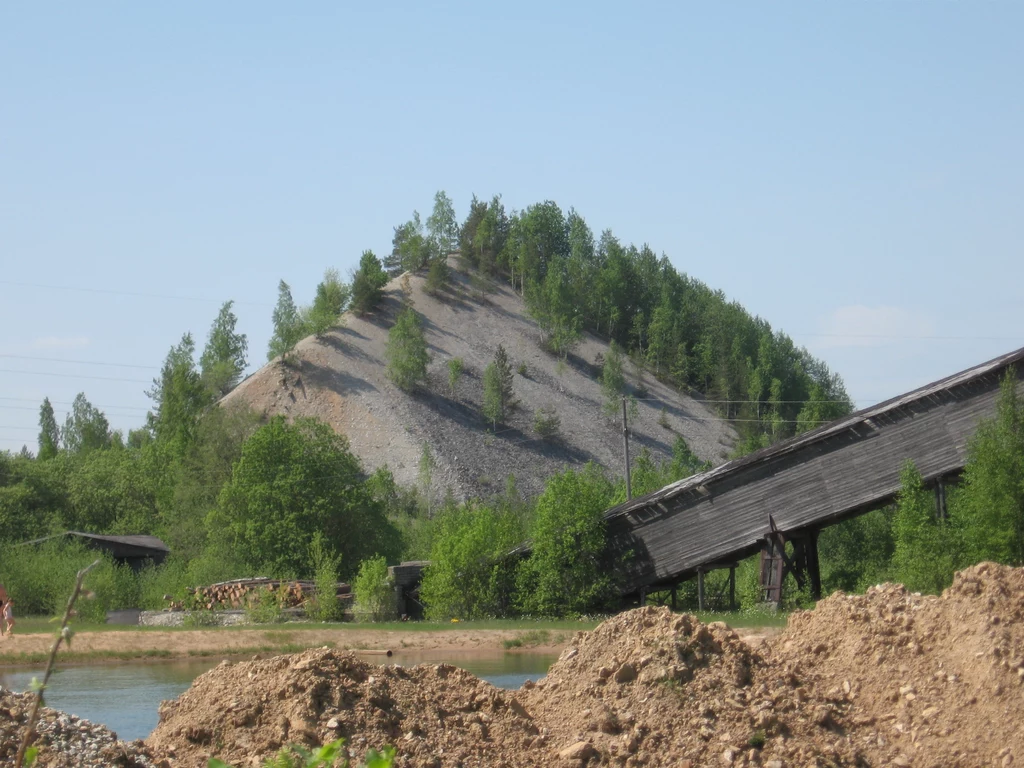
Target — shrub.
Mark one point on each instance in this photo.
(325, 605)
(264, 607)
(374, 591)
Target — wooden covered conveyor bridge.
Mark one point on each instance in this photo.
(790, 491)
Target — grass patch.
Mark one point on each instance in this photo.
(529, 639)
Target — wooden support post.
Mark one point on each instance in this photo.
(625, 450)
(813, 567)
(940, 499)
(700, 589)
(643, 596)
(673, 593)
(732, 587)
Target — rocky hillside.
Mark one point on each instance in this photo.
(341, 380)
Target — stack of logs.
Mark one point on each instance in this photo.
(240, 592)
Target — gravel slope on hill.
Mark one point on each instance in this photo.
(341, 380)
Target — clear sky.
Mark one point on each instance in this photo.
(852, 171)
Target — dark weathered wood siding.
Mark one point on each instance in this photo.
(837, 471)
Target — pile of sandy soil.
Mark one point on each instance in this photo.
(928, 681)
(64, 741)
(651, 688)
(883, 679)
(435, 715)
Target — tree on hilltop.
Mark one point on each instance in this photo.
(288, 326)
(368, 283)
(224, 357)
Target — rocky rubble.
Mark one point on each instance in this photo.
(65, 741)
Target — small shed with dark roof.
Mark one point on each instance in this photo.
(135, 551)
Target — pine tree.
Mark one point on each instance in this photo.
(499, 396)
(49, 432)
(368, 283)
(407, 351)
(224, 357)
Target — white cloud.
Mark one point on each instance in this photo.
(861, 326)
(60, 342)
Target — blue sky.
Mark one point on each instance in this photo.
(851, 171)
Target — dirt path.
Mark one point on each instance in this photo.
(206, 642)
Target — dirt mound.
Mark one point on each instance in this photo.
(929, 681)
(435, 715)
(64, 741)
(885, 678)
(650, 687)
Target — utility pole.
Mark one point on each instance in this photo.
(625, 450)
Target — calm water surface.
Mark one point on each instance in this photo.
(125, 697)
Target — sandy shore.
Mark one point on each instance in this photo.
(129, 644)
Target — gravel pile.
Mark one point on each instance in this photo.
(65, 741)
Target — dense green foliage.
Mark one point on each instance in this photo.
(684, 332)
(472, 574)
(567, 571)
(291, 481)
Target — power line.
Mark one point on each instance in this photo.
(81, 362)
(66, 402)
(74, 376)
(111, 292)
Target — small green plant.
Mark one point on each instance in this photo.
(757, 739)
(521, 370)
(200, 618)
(455, 370)
(330, 755)
(546, 423)
(663, 420)
(264, 607)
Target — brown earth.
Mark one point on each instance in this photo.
(341, 379)
(887, 678)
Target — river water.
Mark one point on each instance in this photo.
(124, 697)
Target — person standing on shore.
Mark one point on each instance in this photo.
(4, 600)
(8, 616)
